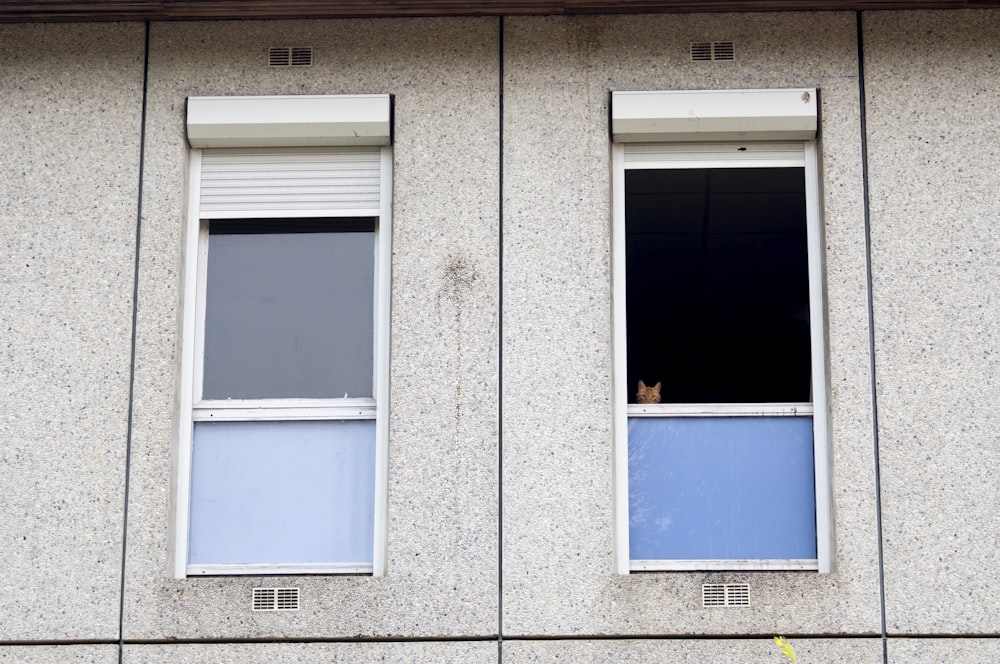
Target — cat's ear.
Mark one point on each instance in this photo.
(642, 385)
(657, 386)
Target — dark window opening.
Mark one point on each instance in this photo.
(717, 283)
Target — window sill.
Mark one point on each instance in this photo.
(799, 409)
(255, 410)
(788, 565)
(263, 569)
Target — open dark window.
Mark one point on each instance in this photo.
(718, 284)
(717, 295)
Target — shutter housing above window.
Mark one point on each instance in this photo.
(289, 121)
(713, 115)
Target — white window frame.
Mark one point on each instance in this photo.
(663, 117)
(191, 408)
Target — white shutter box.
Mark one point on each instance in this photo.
(289, 121)
(714, 115)
(299, 182)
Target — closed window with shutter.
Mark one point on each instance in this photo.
(282, 442)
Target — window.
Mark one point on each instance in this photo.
(718, 305)
(282, 436)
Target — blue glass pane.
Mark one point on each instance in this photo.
(731, 488)
(282, 492)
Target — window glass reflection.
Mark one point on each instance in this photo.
(289, 309)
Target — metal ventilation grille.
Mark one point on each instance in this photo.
(725, 594)
(708, 51)
(275, 599)
(289, 56)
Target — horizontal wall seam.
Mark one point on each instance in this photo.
(506, 637)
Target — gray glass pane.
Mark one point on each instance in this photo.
(289, 310)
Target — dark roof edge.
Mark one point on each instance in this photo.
(21, 11)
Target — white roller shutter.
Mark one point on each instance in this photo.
(295, 182)
(714, 155)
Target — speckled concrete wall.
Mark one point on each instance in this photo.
(933, 88)
(69, 188)
(690, 651)
(70, 654)
(442, 533)
(455, 652)
(69, 183)
(934, 651)
(557, 428)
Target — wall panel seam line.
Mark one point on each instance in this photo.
(500, 248)
(135, 318)
(866, 195)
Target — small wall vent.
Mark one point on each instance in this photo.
(725, 594)
(708, 51)
(290, 56)
(275, 599)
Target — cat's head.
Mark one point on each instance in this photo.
(648, 394)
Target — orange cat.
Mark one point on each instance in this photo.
(648, 394)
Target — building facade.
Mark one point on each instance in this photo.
(499, 496)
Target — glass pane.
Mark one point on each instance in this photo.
(731, 488)
(289, 309)
(717, 281)
(282, 492)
